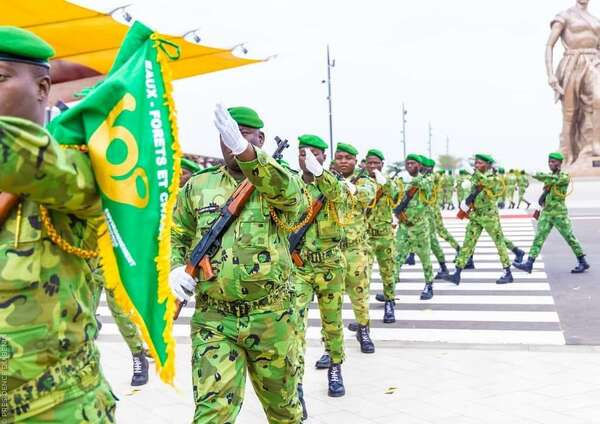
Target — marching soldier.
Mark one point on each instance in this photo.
(354, 244)
(483, 216)
(245, 317)
(511, 183)
(323, 266)
(502, 179)
(47, 309)
(461, 192)
(523, 184)
(554, 214)
(449, 190)
(380, 230)
(413, 228)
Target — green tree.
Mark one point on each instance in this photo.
(449, 162)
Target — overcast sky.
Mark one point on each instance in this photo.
(475, 69)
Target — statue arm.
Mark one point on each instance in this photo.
(557, 29)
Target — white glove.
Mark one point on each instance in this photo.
(379, 177)
(351, 187)
(230, 132)
(182, 284)
(312, 164)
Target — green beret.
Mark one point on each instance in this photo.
(20, 45)
(377, 153)
(190, 165)
(428, 162)
(557, 156)
(485, 158)
(309, 140)
(463, 172)
(246, 117)
(348, 148)
(501, 170)
(416, 158)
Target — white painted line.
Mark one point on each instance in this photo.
(429, 315)
(445, 285)
(454, 336)
(481, 265)
(479, 275)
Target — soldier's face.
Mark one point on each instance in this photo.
(24, 91)
(481, 165)
(345, 163)
(319, 154)
(583, 2)
(252, 135)
(412, 167)
(554, 165)
(373, 163)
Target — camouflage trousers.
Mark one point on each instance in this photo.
(460, 196)
(510, 194)
(441, 230)
(477, 223)
(224, 346)
(563, 224)
(384, 250)
(356, 282)
(436, 248)
(522, 191)
(326, 281)
(126, 327)
(414, 238)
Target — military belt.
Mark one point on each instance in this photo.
(318, 257)
(36, 395)
(241, 308)
(378, 232)
(345, 244)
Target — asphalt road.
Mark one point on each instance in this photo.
(577, 297)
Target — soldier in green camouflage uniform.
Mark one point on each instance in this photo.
(413, 230)
(511, 183)
(483, 216)
(554, 214)
(324, 266)
(523, 184)
(245, 318)
(440, 228)
(501, 176)
(354, 244)
(380, 231)
(47, 323)
(449, 190)
(461, 193)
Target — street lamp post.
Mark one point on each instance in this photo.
(404, 112)
(330, 64)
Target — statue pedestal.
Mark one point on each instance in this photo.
(585, 167)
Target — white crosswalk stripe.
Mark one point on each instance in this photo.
(476, 311)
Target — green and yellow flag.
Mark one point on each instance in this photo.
(127, 124)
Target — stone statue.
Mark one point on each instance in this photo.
(576, 83)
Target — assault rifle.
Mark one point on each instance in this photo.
(296, 238)
(470, 201)
(7, 202)
(542, 201)
(210, 243)
(400, 210)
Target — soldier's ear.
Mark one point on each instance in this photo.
(43, 88)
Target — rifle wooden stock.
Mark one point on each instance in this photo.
(297, 259)
(7, 202)
(462, 214)
(536, 214)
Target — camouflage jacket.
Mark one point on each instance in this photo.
(437, 188)
(379, 217)
(354, 210)
(459, 185)
(254, 254)
(511, 182)
(523, 181)
(422, 202)
(325, 233)
(46, 307)
(558, 185)
(485, 202)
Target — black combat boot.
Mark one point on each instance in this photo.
(427, 292)
(336, 382)
(443, 272)
(140, 369)
(411, 259)
(528, 203)
(501, 205)
(519, 254)
(324, 362)
(506, 277)
(380, 297)
(363, 337)
(388, 313)
(470, 263)
(300, 392)
(582, 266)
(454, 278)
(512, 205)
(527, 266)
(353, 326)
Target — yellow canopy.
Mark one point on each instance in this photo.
(92, 39)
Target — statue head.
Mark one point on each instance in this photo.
(583, 3)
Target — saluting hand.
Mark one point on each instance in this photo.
(230, 131)
(312, 164)
(379, 177)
